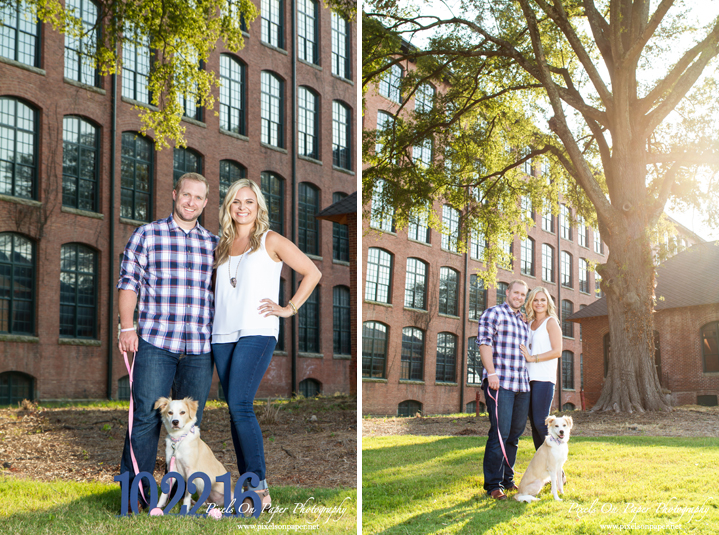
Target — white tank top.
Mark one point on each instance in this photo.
(236, 309)
(539, 343)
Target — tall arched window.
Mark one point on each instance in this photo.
(136, 62)
(78, 291)
(415, 288)
(18, 160)
(308, 123)
(412, 354)
(273, 188)
(19, 34)
(340, 46)
(307, 15)
(567, 370)
(341, 320)
(80, 163)
(308, 226)
(379, 276)
(272, 15)
(340, 235)
(309, 323)
(272, 109)
(341, 135)
(80, 51)
(17, 284)
(232, 95)
(446, 358)
(374, 349)
(136, 177)
(185, 161)
(230, 172)
(448, 291)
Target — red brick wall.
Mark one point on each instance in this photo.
(682, 374)
(63, 371)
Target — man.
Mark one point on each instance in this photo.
(501, 331)
(167, 265)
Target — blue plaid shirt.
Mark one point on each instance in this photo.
(504, 331)
(171, 272)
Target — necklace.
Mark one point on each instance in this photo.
(233, 280)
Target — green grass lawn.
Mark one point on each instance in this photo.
(417, 484)
(31, 507)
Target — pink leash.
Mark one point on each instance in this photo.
(129, 423)
(496, 417)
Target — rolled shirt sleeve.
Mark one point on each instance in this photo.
(487, 330)
(134, 263)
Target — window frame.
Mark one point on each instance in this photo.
(341, 320)
(82, 149)
(477, 297)
(450, 223)
(308, 327)
(567, 326)
(308, 125)
(566, 276)
(15, 270)
(19, 132)
(527, 257)
(305, 20)
(185, 167)
(341, 154)
(138, 139)
(567, 370)
(411, 292)
(446, 369)
(73, 55)
(308, 227)
(272, 110)
(275, 201)
(131, 75)
(449, 303)
(383, 273)
(272, 28)
(226, 180)
(474, 362)
(390, 83)
(21, 12)
(412, 364)
(369, 343)
(77, 306)
(233, 118)
(339, 37)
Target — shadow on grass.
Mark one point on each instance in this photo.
(424, 487)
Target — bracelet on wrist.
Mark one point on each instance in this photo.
(294, 308)
(127, 330)
(491, 374)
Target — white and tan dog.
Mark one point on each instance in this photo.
(547, 463)
(190, 453)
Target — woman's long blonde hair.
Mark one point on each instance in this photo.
(551, 308)
(227, 224)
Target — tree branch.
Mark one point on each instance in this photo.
(632, 55)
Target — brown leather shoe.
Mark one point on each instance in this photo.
(498, 494)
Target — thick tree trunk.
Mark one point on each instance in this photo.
(628, 278)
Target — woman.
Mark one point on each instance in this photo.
(248, 260)
(545, 347)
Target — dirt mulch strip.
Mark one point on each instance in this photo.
(309, 443)
(684, 421)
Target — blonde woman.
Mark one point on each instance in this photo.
(248, 260)
(545, 347)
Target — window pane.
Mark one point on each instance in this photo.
(17, 149)
(307, 123)
(17, 284)
(18, 34)
(78, 307)
(79, 169)
(230, 172)
(341, 320)
(379, 274)
(232, 95)
(135, 177)
(340, 135)
(412, 354)
(271, 110)
(374, 349)
(80, 51)
(271, 12)
(340, 46)
(273, 190)
(308, 225)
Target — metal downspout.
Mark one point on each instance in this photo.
(111, 321)
(293, 136)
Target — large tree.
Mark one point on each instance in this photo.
(615, 100)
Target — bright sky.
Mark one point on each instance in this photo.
(704, 10)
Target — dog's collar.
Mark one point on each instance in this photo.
(177, 440)
(553, 439)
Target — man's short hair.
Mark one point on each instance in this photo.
(517, 281)
(192, 176)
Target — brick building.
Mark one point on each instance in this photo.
(76, 179)
(686, 330)
(422, 299)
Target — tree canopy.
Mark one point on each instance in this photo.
(611, 100)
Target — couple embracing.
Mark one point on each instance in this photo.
(519, 355)
(204, 301)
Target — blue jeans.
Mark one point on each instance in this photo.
(241, 366)
(539, 407)
(159, 373)
(513, 408)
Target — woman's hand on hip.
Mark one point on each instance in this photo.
(269, 308)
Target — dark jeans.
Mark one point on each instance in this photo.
(159, 373)
(513, 408)
(539, 406)
(241, 366)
